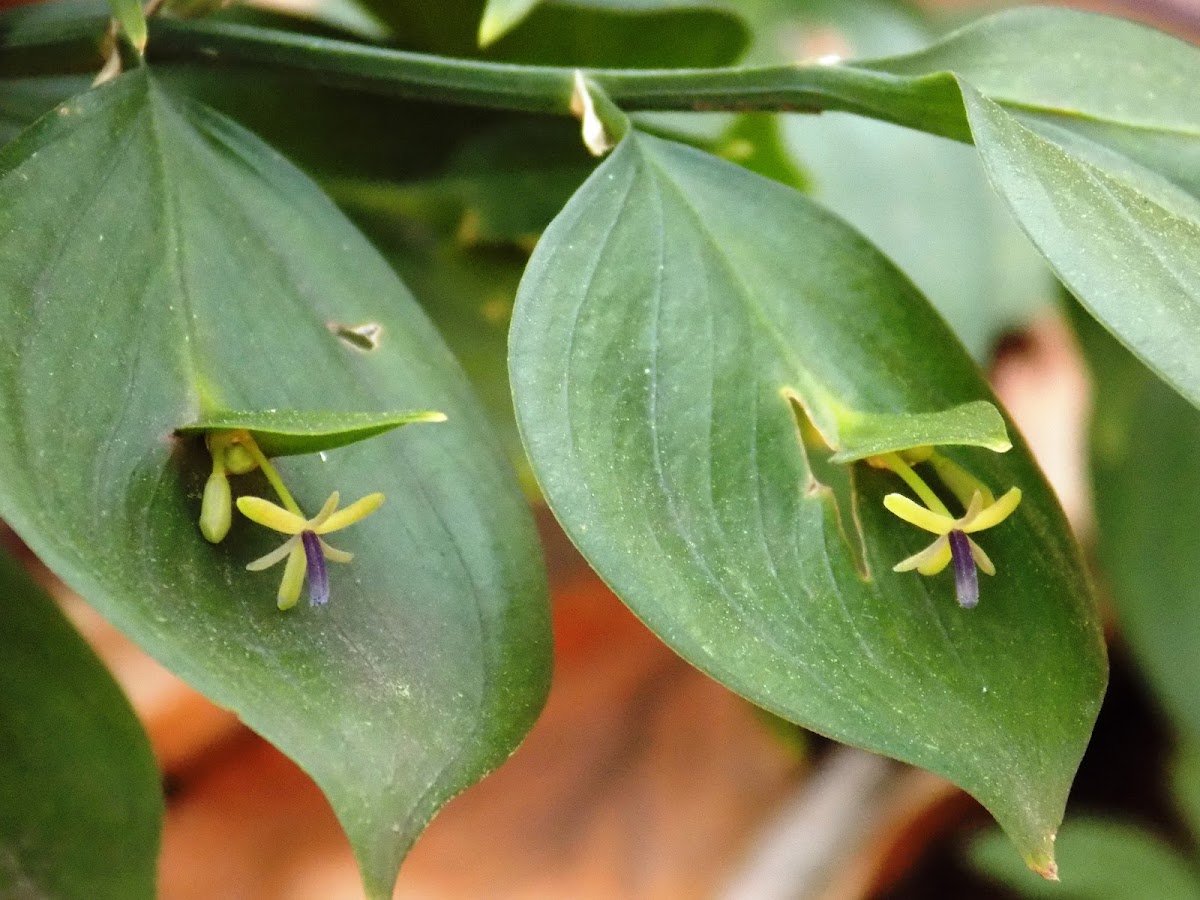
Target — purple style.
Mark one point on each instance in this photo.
(318, 575)
(966, 579)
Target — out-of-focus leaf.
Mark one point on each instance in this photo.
(1097, 154)
(156, 260)
(500, 17)
(468, 291)
(22, 100)
(925, 202)
(80, 803)
(1185, 784)
(1098, 860)
(1145, 460)
(501, 186)
(132, 20)
(664, 325)
(755, 142)
(628, 34)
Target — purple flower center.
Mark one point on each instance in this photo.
(966, 579)
(318, 575)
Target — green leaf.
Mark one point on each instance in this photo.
(627, 33)
(156, 261)
(80, 803)
(1124, 239)
(1098, 160)
(500, 17)
(1145, 464)
(132, 20)
(502, 185)
(1185, 784)
(1100, 860)
(665, 323)
(755, 142)
(925, 202)
(291, 432)
(468, 291)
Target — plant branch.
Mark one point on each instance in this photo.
(931, 104)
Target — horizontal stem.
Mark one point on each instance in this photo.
(929, 104)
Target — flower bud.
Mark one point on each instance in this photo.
(238, 460)
(216, 509)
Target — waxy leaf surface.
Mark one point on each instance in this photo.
(157, 261)
(669, 323)
(80, 801)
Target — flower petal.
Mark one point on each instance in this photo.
(333, 554)
(982, 559)
(325, 512)
(916, 514)
(265, 562)
(293, 577)
(360, 509)
(264, 512)
(996, 513)
(929, 561)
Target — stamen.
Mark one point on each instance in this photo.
(966, 579)
(318, 575)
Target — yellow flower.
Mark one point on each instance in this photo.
(306, 552)
(952, 541)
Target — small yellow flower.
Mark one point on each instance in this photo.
(306, 552)
(952, 541)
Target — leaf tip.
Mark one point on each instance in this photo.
(1041, 860)
(491, 28)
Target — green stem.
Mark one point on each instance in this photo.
(272, 476)
(961, 482)
(914, 481)
(931, 104)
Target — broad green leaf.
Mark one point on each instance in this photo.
(500, 17)
(1145, 462)
(1097, 155)
(1124, 239)
(1100, 860)
(156, 260)
(665, 323)
(286, 432)
(80, 802)
(132, 20)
